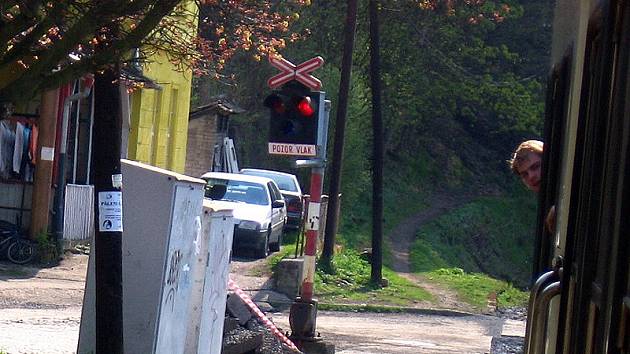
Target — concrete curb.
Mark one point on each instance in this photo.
(394, 309)
(283, 305)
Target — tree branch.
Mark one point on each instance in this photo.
(23, 87)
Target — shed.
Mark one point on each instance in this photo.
(207, 127)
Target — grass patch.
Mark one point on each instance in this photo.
(403, 196)
(350, 283)
(474, 288)
(349, 287)
(492, 235)
(286, 251)
(359, 308)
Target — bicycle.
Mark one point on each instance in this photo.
(13, 246)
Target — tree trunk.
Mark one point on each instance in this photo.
(340, 128)
(377, 151)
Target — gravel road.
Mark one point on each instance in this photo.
(40, 313)
(369, 333)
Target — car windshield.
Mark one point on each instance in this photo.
(285, 183)
(236, 191)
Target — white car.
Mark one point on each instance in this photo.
(291, 191)
(258, 207)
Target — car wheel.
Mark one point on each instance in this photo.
(263, 250)
(275, 247)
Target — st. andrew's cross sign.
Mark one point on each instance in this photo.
(300, 73)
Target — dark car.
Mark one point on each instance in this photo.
(291, 191)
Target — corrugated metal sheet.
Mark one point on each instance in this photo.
(14, 196)
(78, 212)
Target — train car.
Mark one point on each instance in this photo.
(580, 301)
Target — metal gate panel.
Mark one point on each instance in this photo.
(78, 212)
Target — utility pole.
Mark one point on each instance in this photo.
(108, 212)
(376, 275)
(47, 125)
(340, 130)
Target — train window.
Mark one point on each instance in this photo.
(555, 120)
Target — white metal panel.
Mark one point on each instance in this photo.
(230, 156)
(78, 212)
(177, 283)
(13, 197)
(220, 226)
(159, 221)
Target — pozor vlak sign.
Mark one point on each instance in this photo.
(295, 108)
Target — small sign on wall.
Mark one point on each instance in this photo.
(110, 212)
(47, 153)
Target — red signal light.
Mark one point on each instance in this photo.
(278, 106)
(275, 102)
(304, 107)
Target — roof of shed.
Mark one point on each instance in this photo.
(218, 104)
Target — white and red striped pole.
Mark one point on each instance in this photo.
(312, 230)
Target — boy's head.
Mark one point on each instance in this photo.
(526, 163)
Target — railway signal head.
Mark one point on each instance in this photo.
(294, 113)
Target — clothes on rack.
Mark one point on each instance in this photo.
(18, 147)
(17, 158)
(7, 141)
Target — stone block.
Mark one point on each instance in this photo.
(237, 308)
(288, 277)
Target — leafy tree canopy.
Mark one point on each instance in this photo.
(46, 43)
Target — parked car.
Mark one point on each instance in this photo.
(258, 206)
(290, 189)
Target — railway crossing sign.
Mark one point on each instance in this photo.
(300, 73)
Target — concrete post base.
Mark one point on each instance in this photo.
(317, 347)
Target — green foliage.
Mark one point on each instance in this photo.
(360, 308)
(403, 195)
(350, 283)
(286, 251)
(47, 249)
(474, 288)
(424, 257)
(493, 235)
(457, 97)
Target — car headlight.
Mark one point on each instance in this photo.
(248, 225)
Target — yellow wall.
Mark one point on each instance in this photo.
(159, 118)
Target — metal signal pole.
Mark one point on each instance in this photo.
(289, 136)
(303, 313)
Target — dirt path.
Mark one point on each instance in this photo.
(401, 239)
(40, 308)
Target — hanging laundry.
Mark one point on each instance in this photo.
(7, 143)
(18, 147)
(27, 169)
(32, 145)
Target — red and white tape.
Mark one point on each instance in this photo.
(248, 301)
